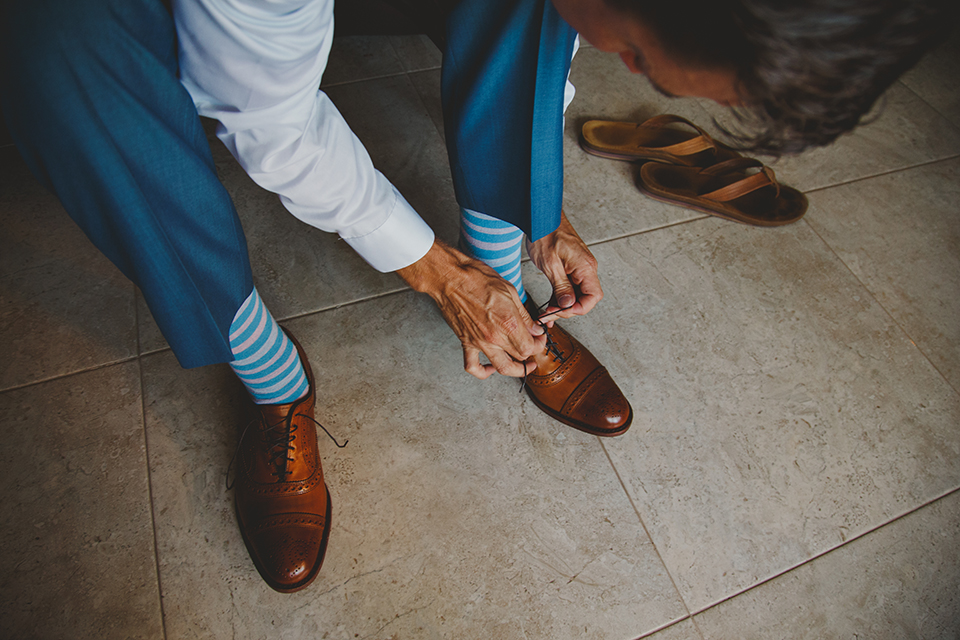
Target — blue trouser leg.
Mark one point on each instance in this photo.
(90, 93)
(505, 67)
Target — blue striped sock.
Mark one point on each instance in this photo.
(495, 243)
(266, 361)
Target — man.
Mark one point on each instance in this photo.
(93, 99)
(94, 102)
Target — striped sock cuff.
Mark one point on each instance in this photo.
(496, 243)
(265, 359)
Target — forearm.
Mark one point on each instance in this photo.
(441, 266)
(287, 136)
(482, 308)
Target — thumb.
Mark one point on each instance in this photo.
(562, 289)
(532, 325)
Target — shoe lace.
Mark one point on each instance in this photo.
(279, 439)
(552, 348)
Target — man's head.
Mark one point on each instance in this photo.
(802, 71)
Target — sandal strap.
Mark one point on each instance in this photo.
(729, 166)
(690, 147)
(687, 147)
(764, 178)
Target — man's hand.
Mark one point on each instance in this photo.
(482, 308)
(572, 270)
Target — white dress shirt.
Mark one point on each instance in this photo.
(255, 66)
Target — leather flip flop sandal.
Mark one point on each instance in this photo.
(654, 140)
(726, 190)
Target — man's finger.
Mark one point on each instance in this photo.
(532, 326)
(563, 290)
(553, 313)
(505, 365)
(471, 363)
(521, 344)
(590, 290)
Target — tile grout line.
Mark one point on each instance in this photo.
(669, 625)
(589, 244)
(343, 83)
(888, 172)
(924, 505)
(376, 296)
(379, 77)
(423, 70)
(423, 104)
(296, 316)
(692, 616)
(403, 63)
(61, 376)
(632, 234)
(643, 525)
(342, 305)
(889, 315)
(396, 54)
(146, 455)
(946, 117)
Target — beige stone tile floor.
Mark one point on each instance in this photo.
(792, 471)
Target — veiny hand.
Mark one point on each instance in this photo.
(482, 308)
(572, 270)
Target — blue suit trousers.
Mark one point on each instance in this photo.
(90, 93)
(91, 97)
(505, 68)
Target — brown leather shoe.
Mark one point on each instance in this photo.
(282, 502)
(571, 386)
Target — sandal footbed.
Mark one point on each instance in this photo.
(684, 186)
(630, 141)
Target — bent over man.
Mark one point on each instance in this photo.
(103, 104)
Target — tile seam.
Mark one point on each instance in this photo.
(423, 70)
(403, 64)
(631, 234)
(423, 105)
(890, 316)
(888, 172)
(940, 113)
(403, 72)
(307, 314)
(342, 305)
(673, 623)
(146, 456)
(136, 323)
(406, 288)
(643, 525)
(61, 376)
(343, 83)
(923, 505)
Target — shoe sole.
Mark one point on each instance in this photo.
(611, 155)
(579, 426)
(303, 584)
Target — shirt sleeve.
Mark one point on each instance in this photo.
(256, 68)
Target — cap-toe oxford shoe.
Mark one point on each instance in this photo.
(571, 386)
(282, 502)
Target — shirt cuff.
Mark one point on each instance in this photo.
(400, 241)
